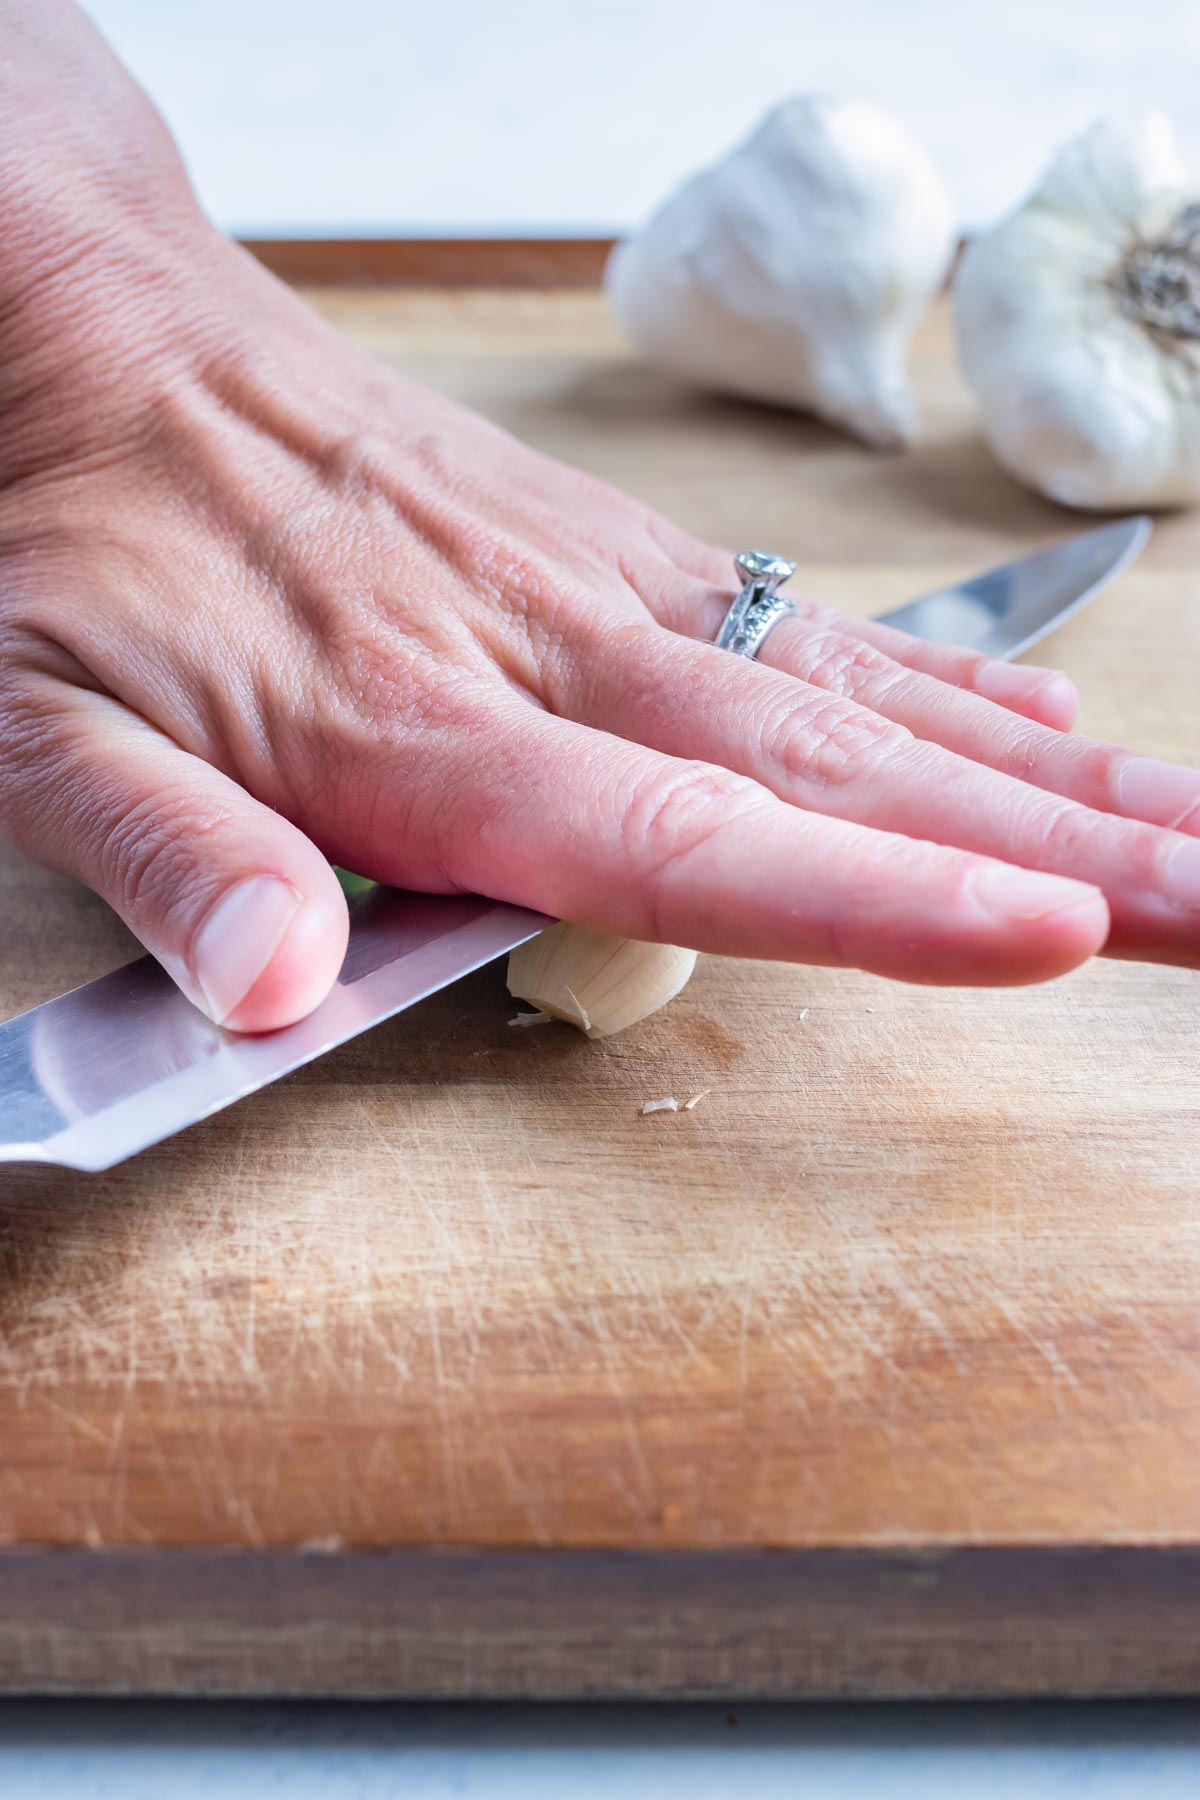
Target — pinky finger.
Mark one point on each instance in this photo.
(1047, 696)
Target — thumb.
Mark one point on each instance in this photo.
(237, 905)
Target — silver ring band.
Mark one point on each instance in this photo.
(759, 605)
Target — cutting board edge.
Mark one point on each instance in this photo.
(569, 1624)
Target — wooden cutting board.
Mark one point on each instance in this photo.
(437, 1369)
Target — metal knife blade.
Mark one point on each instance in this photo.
(101, 1073)
(1007, 610)
(98, 1074)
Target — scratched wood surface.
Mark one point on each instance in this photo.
(439, 1369)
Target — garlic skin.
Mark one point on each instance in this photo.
(1078, 322)
(599, 984)
(793, 270)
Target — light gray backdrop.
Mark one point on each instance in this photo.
(575, 115)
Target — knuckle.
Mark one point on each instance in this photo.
(546, 623)
(28, 735)
(1094, 766)
(1016, 747)
(967, 669)
(1072, 838)
(672, 813)
(841, 664)
(384, 687)
(1061, 825)
(831, 742)
(358, 462)
(1046, 758)
(151, 851)
(517, 583)
(905, 863)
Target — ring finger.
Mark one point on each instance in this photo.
(692, 596)
(949, 707)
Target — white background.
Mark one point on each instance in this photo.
(364, 116)
(55, 1750)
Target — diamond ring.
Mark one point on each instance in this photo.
(759, 605)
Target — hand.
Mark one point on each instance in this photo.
(263, 603)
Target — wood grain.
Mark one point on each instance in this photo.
(439, 1369)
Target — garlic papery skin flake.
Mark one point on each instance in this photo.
(793, 270)
(1078, 322)
(599, 984)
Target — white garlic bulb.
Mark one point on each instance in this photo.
(793, 270)
(1078, 324)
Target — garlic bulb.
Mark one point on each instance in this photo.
(601, 984)
(1078, 324)
(793, 270)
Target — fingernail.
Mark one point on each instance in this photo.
(238, 939)
(1021, 894)
(1018, 688)
(996, 681)
(1181, 877)
(1159, 791)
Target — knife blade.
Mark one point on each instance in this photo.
(1007, 610)
(101, 1073)
(98, 1074)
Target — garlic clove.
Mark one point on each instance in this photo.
(865, 387)
(1102, 179)
(598, 983)
(1074, 328)
(793, 270)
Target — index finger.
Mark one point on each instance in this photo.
(606, 832)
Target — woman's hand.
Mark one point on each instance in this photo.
(263, 604)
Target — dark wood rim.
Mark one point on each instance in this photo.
(435, 262)
(602, 1624)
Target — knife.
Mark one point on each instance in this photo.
(101, 1073)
